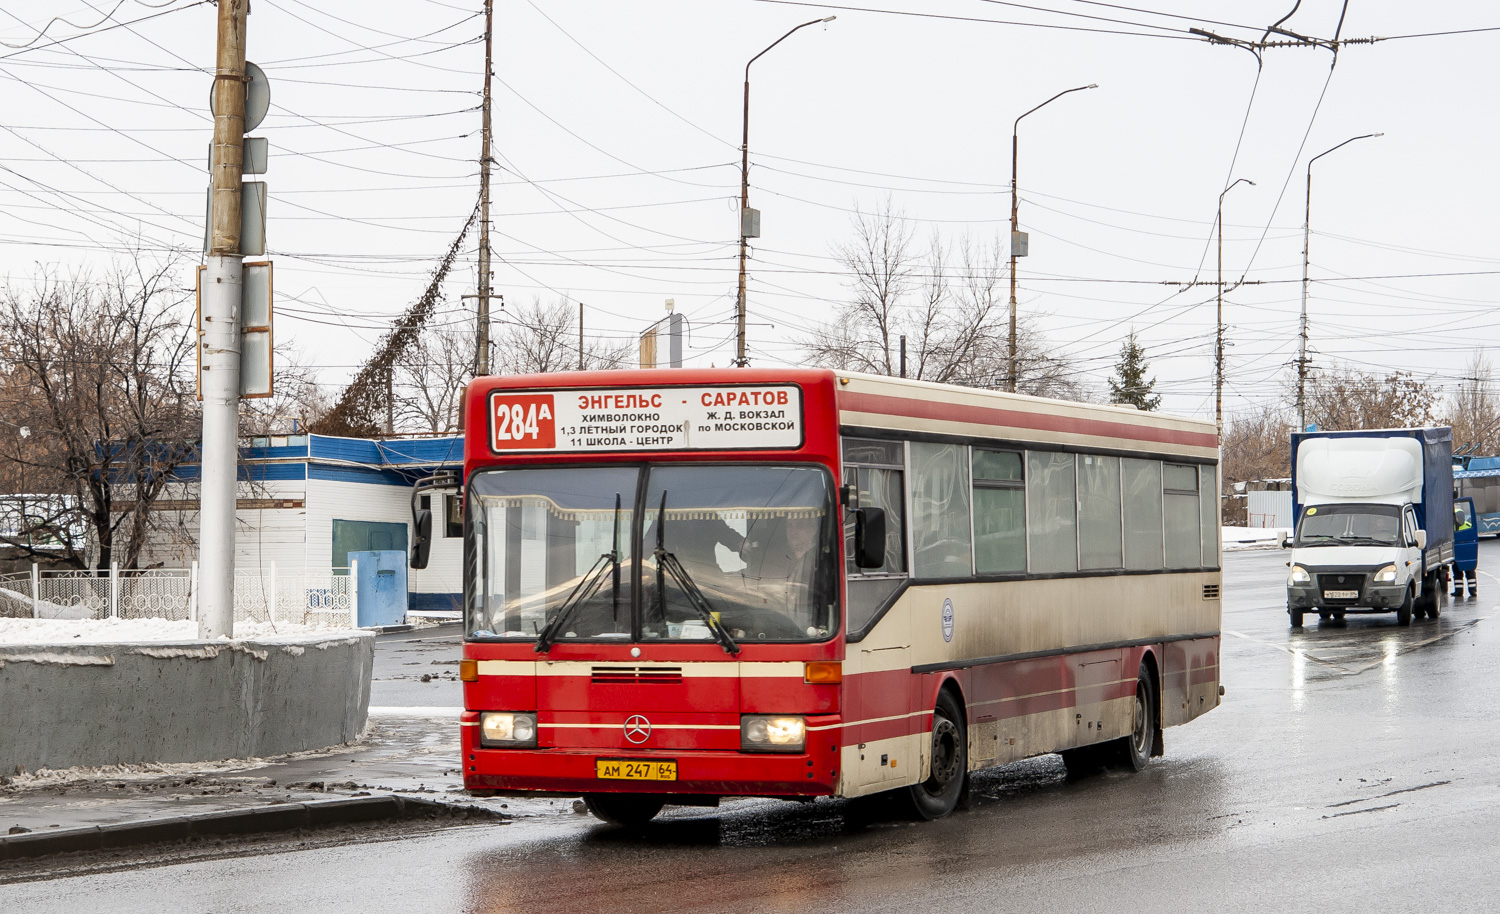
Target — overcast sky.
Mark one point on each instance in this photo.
(617, 131)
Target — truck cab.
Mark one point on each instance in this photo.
(1357, 557)
(1374, 523)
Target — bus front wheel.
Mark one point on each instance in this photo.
(628, 809)
(947, 781)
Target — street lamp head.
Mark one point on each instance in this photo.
(830, 18)
(1092, 86)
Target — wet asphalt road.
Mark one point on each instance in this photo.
(1350, 768)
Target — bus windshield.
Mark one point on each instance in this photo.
(751, 547)
(1350, 525)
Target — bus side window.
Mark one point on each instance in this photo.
(876, 471)
(1051, 512)
(1099, 523)
(1208, 509)
(1180, 506)
(940, 511)
(1143, 521)
(999, 513)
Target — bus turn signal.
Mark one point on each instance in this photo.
(823, 672)
(468, 670)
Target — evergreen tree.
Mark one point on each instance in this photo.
(1128, 384)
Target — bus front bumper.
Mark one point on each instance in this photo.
(699, 773)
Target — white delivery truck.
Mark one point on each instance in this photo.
(1374, 522)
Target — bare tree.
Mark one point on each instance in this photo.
(1474, 411)
(950, 309)
(1344, 398)
(100, 373)
(1257, 445)
(430, 380)
(539, 338)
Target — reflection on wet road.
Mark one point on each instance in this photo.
(1350, 768)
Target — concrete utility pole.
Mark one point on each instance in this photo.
(580, 336)
(747, 230)
(1219, 324)
(482, 355)
(1015, 234)
(1302, 360)
(220, 342)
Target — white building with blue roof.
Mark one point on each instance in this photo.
(306, 501)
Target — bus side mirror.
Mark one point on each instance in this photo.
(1282, 540)
(422, 526)
(869, 537)
(1421, 539)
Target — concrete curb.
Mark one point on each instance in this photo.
(280, 817)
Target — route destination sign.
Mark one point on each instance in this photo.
(722, 417)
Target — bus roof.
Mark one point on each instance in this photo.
(883, 403)
(875, 403)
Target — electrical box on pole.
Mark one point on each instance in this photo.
(257, 359)
(750, 222)
(1020, 244)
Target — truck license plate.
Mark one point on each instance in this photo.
(1341, 595)
(632, 770)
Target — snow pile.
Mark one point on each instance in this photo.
(131, 631)
(1252, 537)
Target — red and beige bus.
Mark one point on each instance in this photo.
(682, 585)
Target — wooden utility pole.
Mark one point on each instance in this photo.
(482, 356)
(220, 340)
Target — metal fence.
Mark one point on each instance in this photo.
(320, 599)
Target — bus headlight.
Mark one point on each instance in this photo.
(1300, 575)
(507, 730)
(772, 733)
(1386, 575)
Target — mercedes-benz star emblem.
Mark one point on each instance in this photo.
(637, 728)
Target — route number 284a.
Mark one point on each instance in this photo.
(522, 421)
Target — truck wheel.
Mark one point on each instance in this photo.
(1296, 615)
(1403, 614)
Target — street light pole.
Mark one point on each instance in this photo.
(1302, 361)
(739, 349)
(1219, 331)
(1015, 228)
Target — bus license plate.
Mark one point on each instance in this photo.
(1341, 595)
(629, 770)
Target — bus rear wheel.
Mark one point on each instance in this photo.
(628, 809)
(1135, 751)
(948, 779)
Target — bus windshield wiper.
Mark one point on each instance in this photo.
(667, 563)
(592, 580)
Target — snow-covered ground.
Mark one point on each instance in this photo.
(129, 631)
(1252, 537)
